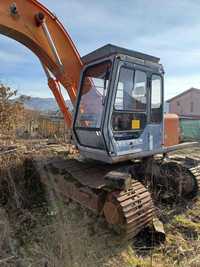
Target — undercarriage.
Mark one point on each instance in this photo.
(126, 193)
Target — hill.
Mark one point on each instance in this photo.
(43, 104)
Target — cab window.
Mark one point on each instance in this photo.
(129, 114)
(156, 99)
(93, 94)
(131, 90)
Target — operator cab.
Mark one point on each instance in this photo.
(119, 110)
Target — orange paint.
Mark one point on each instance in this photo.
(171, 130)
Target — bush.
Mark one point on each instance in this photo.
(11, 111)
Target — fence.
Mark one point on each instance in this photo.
(190, 130)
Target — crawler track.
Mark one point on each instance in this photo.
(129, 211)
(195, 171)
(192, 167)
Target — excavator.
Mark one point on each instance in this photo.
(117, 122)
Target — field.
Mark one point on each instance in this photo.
(38, 227)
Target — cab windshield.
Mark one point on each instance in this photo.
(93, 95)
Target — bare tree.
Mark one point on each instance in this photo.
(11, 111)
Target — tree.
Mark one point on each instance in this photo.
(11, 111)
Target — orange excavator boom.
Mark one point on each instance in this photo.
(33, 25)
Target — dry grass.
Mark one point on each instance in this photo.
(39, 229)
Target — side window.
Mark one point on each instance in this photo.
(131, 90)
(129, 116)
(139, 91)
(156, 99)
(125, 85)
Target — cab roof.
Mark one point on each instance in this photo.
(109, 50)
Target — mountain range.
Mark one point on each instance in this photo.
(49, 104)
(43, 104)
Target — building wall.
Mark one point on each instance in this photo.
(186, 105)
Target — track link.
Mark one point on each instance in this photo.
(195, 171)
(173, 178)
(130, 210)
(192, 166)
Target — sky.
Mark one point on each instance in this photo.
(166, 29)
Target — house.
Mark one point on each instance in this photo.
(186, 104)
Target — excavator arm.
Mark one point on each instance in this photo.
(34, 26)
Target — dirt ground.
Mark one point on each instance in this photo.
(39, 228)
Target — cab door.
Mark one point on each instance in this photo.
(90, 107)
(130, 110)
